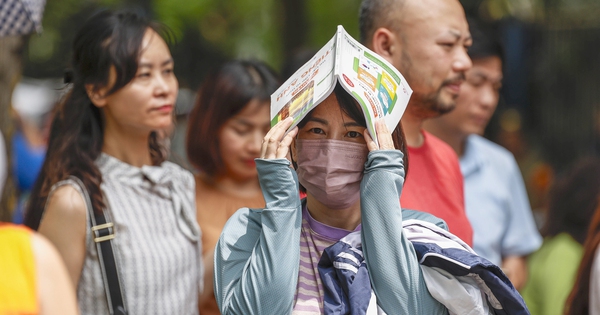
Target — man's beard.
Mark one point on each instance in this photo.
(433, 104)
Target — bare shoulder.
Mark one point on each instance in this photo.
(64, 225)
(66, 201)
(64, 216)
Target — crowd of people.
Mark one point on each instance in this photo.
(326, 218)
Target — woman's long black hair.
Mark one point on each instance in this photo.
(107, 40)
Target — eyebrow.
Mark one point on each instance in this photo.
(485, 76)
(458, 35)
(352, 124)
(326, 123)
(149, 65)
(244, 122)
(319, 120)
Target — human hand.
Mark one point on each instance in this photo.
(515, 268)
(384, 137)
(276, 144)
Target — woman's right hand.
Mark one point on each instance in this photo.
(276, 144)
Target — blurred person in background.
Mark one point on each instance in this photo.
(572, 200)
(106, 160)
(183, 107)
(32, 102)
(496, 201)
(34, 277)
(3, 164)
(537, 172)
(427, 41)
(225, 131)
(585, 296)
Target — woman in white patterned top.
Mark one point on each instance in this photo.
(106, 135)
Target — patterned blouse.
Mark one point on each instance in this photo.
(157, 240)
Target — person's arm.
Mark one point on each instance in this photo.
(396, 275)
(56, 293)
(258, 254)
(515, 268)
(64, 225)
(207, 289)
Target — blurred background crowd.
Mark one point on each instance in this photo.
(548, 116)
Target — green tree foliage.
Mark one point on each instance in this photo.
(325, 16)
(206, 31)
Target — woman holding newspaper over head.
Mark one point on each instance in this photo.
(347, 248)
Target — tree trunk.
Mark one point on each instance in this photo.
(11, 52)
(295, 26)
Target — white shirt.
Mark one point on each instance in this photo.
(496, 202)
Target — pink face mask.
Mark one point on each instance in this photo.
(331, 170)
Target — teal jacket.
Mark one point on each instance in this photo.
(257, 256)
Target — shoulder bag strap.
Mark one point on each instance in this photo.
(102, 234)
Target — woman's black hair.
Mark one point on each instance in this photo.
(486, 41)
(573, 198)
(107, 40)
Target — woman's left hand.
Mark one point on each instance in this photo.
(384, 137)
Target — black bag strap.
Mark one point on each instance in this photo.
(102, 235)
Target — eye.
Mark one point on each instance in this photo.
(354, 134)
(168, 71)
(144, 75)
(475, 80)
(447, 46)
(318, 131)
(240, 132)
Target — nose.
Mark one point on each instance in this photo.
(164, 85)
(462, 61)
(488, 97)
(255, 141)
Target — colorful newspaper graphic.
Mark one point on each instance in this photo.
(375, 84)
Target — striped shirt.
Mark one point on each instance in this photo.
(314, 238)
(157, 240)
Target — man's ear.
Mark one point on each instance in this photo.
(386, 44)
(96, 95)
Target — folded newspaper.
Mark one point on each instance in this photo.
(377, 86)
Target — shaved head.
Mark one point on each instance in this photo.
(378, 13)
(427, 41)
